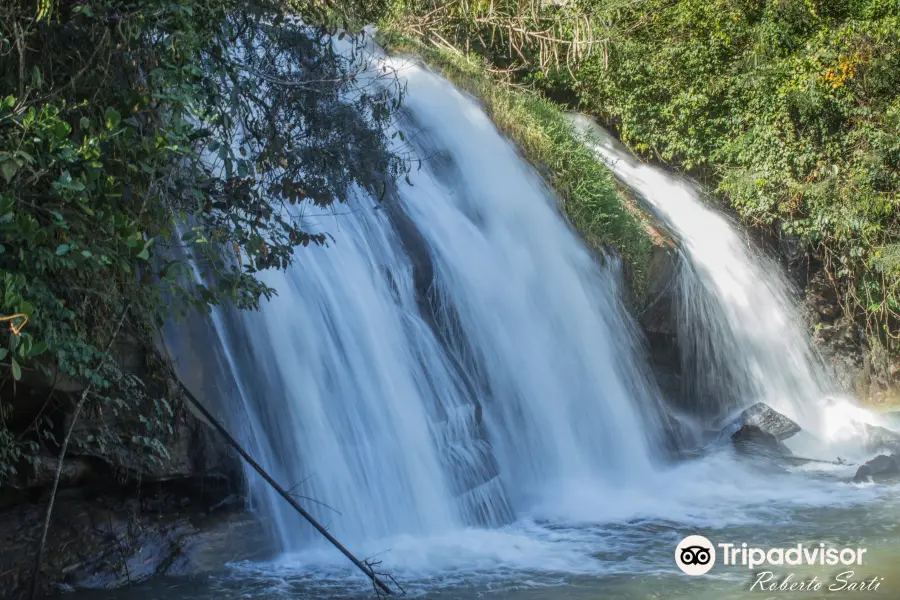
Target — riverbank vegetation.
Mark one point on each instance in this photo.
(787, 108)
(138, 137)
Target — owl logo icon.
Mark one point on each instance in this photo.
(695, 555)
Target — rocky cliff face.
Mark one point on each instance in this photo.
(860, 365)
(132, 502)
(657, 319)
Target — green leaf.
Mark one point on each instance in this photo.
(62, 249)
(9, 169)
(16, 370)
(37, 349)
(3, 353)
(113, 118)
(66, 182)
(144, 254)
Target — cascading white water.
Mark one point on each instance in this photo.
(546, 329)
(736, 319)
(455, 357)
(456, 376)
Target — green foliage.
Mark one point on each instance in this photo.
(13, 451)
(793, 107)
(790, 108)
(139, 138)
(545, 136)
(514, 35)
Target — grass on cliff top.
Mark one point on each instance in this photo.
(586, 188)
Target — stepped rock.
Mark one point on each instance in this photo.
(768, 420)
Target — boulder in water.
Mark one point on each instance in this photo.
(880, 468)
(880, 439)
(751, 439)
(765, 418)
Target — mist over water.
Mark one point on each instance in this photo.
(454, 386)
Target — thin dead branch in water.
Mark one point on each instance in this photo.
(382, 589)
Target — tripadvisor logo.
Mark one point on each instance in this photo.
(695, 555)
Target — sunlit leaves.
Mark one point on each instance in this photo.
(788, 109)
(134, 121)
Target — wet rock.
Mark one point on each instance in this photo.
(187, 546)
(658, 320)
(765, 418)
(658, 316)
(681, 436)
(109, 539)
(221, 539)
(141, 477)
(132, 557)
(75, 470)
(880, 439)
(123, 511)
(753, 440)
(118, 439)
(859, 367)
(880, 468)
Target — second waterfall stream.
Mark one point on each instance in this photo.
(742, 339)
(456, 385)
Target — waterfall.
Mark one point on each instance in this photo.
(742, 340)
(455, 357)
